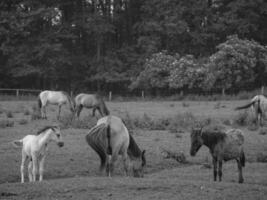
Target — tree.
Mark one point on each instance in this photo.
(235, 62)
(156, 72)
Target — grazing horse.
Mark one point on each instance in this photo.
(56, 98)
(258, 105)
(93, 101)
(35, 147)
(110, 138)
(223, 146)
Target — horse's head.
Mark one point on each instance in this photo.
(57, 137)
(139, 164)
(196, 140)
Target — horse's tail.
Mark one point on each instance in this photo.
(17, 143)
(245, 106)
(109, 149)
(242, 159)
(94, 140)
(39, 102)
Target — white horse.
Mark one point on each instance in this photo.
(109, 139)
(258, 105)
(55, 98)
(34, 148)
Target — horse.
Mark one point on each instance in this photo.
(223, 146)
(258, 105)
(55, 98)
(34, 148)
(110, 138)
(93, 101)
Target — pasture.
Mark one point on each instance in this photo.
(71, 172)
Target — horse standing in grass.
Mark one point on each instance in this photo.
(93, 101)
(110, 138)
(55, 98)
(223, 146)
(34, 148)
(258, 105)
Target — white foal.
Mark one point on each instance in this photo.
(34, 148)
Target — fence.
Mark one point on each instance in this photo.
(15, 94)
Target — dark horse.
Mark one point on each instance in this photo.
(223, 146)
(110, 138)
(93, 101)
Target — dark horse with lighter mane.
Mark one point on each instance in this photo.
(223, 146)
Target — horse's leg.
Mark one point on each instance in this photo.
(220, 170)
(59, 110)
(78, 111)
(240, 175)
(24, 157)
(125, 163)
(214, 160)
(111, 160)
(41, 168)
(30, 171)
(93, 112)
(34, 167)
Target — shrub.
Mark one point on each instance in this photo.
(9, 114)
(36, 113)
(261, 157)
(6, 123)
(27, 112)
(263, 131)
(68, 121)
(184, 104)
(23, 121)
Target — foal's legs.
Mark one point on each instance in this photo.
(41, 167)
(214, 160)
(30, 171)
(24, 158)
(240, 175)
(220, 170)
(35, 167)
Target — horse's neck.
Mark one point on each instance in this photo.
(209, 140)
(44, 138)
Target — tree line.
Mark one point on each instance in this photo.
(126, 45)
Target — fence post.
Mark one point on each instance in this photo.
(110, 95)
(223, 92)
(17, 93)
(143, 94)
(262, 90)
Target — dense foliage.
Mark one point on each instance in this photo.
(121, 45)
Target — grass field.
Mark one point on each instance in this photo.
(71, 172)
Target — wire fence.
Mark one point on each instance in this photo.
(31, 94)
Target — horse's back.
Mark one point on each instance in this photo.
(233, 144)
(28, 143)
(119, 132)
(54, 97)
(87, 100)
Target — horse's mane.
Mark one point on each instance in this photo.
(213, 136)
(72, 103)
(45, 128)
(133, 149)
(103, 106)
